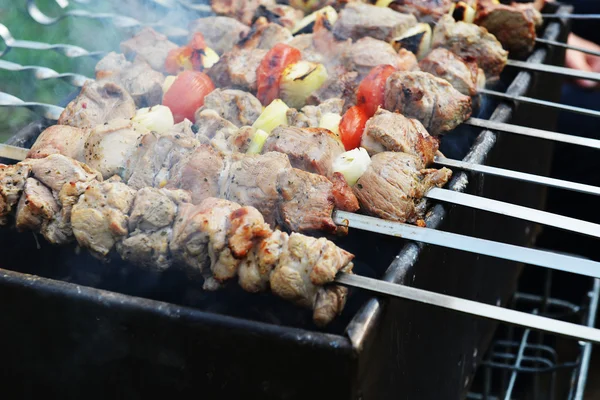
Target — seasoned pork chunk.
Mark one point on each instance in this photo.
(304, 43)
(337, 87)
(464, 76)
(255, 271)
(236, 106)
(367, 53)
(388, 131)
(242, 10)
(57, 170)
(97, 103)
(149, 46)
(424, 10)
(471, 42)
(310, 116)
(12, 183)
(220, 33)
(309, 149)
(513, 27)
(433, 101)
(36, 207)
(358, 20)
(99, 218)
(393, 186)
(60, 139)
(264, 35)
(281, 14)
(110, 65)
(150, 227)
(237, 69)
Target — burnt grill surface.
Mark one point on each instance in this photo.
(113, 339)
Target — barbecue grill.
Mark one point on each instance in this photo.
(113, 328)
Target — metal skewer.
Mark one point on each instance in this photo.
(552, 69)
(475, 308)
(520, 176)
(572, 16)
(543, 103)
(43, 73)
(469, 244)
(48, 111)
(567, 46)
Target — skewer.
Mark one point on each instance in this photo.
(66, 50)
(515, 211)
(48, 111)
(567, 46)
(43, 73)
(469, 244)
(552, 69)
(543, 103)
(572, 16)
(538, 133)
(520, 176)
(475, 308)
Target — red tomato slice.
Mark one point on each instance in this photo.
(352, 127)
(187, 94)
(268, 74)
(371, 91)
(187, 57)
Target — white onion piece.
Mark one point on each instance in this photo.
(156, 118)
(331, 121)
(257, 142)
(352, 164)
(273, 115)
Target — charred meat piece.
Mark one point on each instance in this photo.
(221, 134)
(358, 20)
(264, 35)
(307, 202)
(36, 207)
(143, 83)
(305, 44)
(388, 131)
(242, 10)
(424, 10)
(281, 14)
(97, 103)
(342, 87)
(310, 116)
(220, 33)
(394, 184)
(464, 76)
(367, 53)
(237, 69)
(472, 43)
(432, 101)
(309, 149)
(60, 139)
(236, 106)
(149, 46)
(513, 27)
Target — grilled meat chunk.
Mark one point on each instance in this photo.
(264, 35)
(424, 10)
(60, 139)
(367, 53)
(472, 43)
(57, 170)
(464, 76)
(149, 46)
(309, 149)
(150, 227)
(343, 196)
(307, 202)
(433, 101)
(12, 183)
(388, 131)
(310, 116)
(304, 43)
(36, 207)
(342, 87)
(242, 10)
(394, 185)
(513, 27)
(97, 103)
(236, 106)
(220, 33)
(358, 20)
(198, 173)
(281, 14)
(143, 83)
(99, 218)
(237, 69)
(255, 270)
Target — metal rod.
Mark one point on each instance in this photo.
(587, 351)
(572, 16)
(515, 211)
(546, 259)
(66, 50)
(48, 111)
(538, 133)
(43, 73)
(470, 307)
(13, 152)
(568, 46)
(552, 69)
(520, 176)
(543, 103)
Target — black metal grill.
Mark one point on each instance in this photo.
(115, 329)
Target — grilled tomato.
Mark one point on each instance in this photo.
(268, 74)
(187, 94)
(371, 91)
